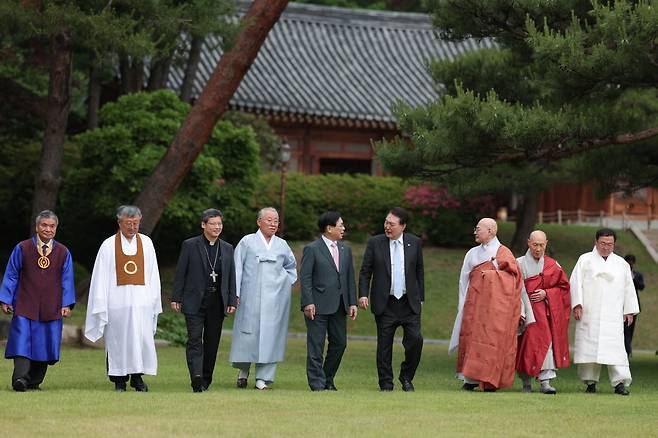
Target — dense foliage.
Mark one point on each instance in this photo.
(134, 133)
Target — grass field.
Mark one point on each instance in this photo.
(78, 401)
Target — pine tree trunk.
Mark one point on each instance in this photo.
(132, 75)
(187, 88)
(58, 107)
(94, 98)
(526, 218)
(158, 74)
(211, 105)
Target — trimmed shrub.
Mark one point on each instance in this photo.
(362, 200)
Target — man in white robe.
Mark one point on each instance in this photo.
(265, 270)
(124, 302)
(603, 299)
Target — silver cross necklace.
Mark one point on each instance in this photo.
(213, 274)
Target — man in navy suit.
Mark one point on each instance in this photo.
(328, 290)
(392, 276)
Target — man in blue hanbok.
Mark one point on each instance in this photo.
(38, 290)
(265, 269)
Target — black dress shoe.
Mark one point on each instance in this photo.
(139, 385)
(386, 388)
(241, 383)
(470, 386)
(19, 385)
(331, 387)
(621, 389)
(591, 388)
(120, 386)
(407, 386)
(198, 384)
(318, 389)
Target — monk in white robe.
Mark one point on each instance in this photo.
(265, 270)
(603, 299)
(124, 302)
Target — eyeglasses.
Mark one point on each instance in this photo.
(606, 244)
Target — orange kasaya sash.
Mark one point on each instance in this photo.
(492, 310)
(129, 268)
(552, 321)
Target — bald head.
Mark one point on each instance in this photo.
(537, 244)
(485, 230)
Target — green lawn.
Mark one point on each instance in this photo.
(78, 400)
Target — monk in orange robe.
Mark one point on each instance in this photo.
(490, 310)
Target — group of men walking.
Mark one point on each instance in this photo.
(513, 314)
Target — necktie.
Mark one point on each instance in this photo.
(398, 270)
(334, 254)
(44, 249)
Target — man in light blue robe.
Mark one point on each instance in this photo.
(265, 270)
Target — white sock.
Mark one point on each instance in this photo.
(243, 374)
(545, 383)
(260, 384)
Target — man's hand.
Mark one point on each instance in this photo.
(538, 295)
(628, 319)
(578, 312)
(230, 309)
(66, 312)
(7, 309)
(309, 311)
(363, 302)
(353, 312)
(175, 306)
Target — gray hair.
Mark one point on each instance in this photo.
(128, 211)
(262, 211)
(46, 214)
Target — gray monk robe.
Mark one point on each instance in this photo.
(264, 277)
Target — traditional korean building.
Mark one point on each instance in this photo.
(327, 78)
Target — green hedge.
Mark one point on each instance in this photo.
(362, 200)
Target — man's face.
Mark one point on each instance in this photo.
(335, 232)
(537, 246)
(605, 245)
(392, 227)
(129, 226)
(268, 223)
(213, 228)
(483, 232)
(46, 229)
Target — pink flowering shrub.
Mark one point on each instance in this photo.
(442, 218)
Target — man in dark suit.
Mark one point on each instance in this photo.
(204, 290)
(328, 290)
(392, 275)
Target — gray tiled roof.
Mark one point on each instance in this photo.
(333, 62)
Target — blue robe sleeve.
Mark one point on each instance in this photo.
(68, 285)
(10, 280)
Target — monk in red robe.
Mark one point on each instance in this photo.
(544, 345)
(489, 313)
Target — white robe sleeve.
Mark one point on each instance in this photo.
(290, 265)
(238, 258)
(153, 280)
(463, 289)
(96, 319)
(631, 305)
(575, 285)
